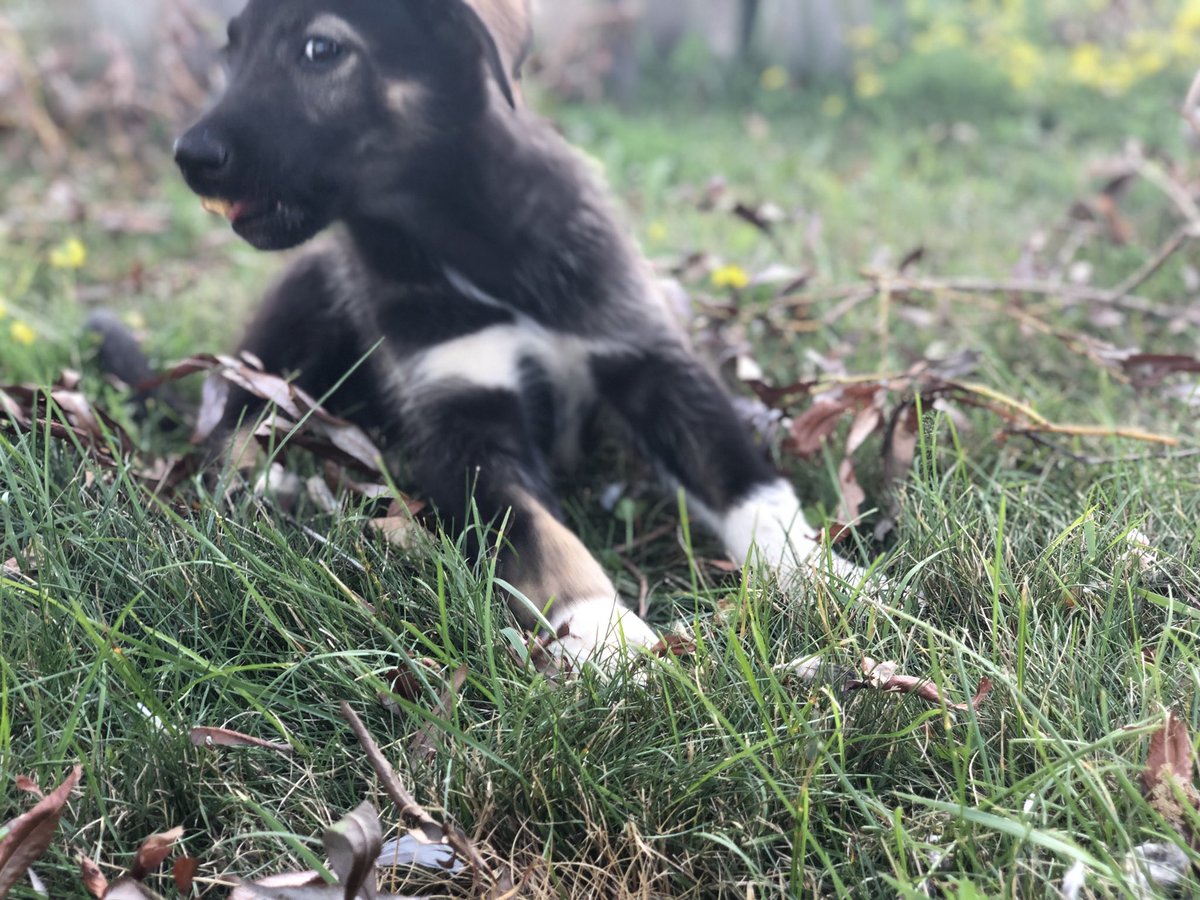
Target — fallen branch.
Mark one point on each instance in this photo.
(1182, 236)
(1100, 431)
(1191, 106)
(1037, 438)
(411, 809)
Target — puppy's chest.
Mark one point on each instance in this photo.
(437, 343)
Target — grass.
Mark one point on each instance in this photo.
(696, 777)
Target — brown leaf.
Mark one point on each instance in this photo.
(183, 873)
(674, 645)
(406, 683)
(93, 879)
(153, 851)
(202, 736)
(1151, 369)
(353, 846)
(214, 395)
(29, 834)
(865, 424)
(129, 888)
(1167, 779)
(425, 744)
(885, 677)
(811, 430)
(853, 496)
(1170, 750)
(399, 531)
(27, 784)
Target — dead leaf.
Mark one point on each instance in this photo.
(93, 879)
(885, 677)
(202, 736)
(405, 683)
(153, 851)
(129, 888)
(214, 396)
(1167, 780)
(29, 834)
(810, 430)
(425, 744)
(1149, 370)
(853, 496)
(183, 873)
(399, 531)
(865, 424)
(428, 827)
(674, 645)
(353, 845)
(28, 785)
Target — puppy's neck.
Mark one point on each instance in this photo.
(506, 205)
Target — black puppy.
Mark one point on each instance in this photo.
(480, 268)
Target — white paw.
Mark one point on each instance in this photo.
(599, 630)
(769, 527)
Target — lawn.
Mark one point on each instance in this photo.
(1060, 563)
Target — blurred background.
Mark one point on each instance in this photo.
(851, 131)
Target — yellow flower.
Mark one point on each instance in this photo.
(1087, 65)
(71, 254)
(833, 106)
(734, 277)
(776, 78)
(22, 333)
(657, 232)
(868, 84)
(862, 37)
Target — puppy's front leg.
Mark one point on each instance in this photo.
(472, 443)
(684, 418)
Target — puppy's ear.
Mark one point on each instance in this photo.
(511, 25)
(460, 18)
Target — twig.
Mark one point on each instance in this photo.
(643, 584)
(1181, 236)
(648, 538)
(1086, 460)
(408, 805)
(1099, 431)
(1176, 193)
(1191, 104)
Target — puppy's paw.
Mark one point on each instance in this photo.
(601, 631)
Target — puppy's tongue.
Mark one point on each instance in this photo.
(225, 208)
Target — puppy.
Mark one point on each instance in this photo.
(478, 285)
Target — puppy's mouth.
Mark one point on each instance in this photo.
(238, 210)
(264, 223)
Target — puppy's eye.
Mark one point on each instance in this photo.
(319, 49)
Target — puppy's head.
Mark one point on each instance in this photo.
(327, 99)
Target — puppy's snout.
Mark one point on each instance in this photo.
(200, 153)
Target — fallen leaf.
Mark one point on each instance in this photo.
(1148, 370)
(674, 645)
(406, 683)
(28, 835)
(353, 846)
(425, 744)
(153, 851)
(1167, 780)
(183, 873)
(853, 496)
(885, 677)
(93, 879)
(202, 736)
(28, 785)
(810, 430)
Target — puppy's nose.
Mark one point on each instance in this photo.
(199, 152)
